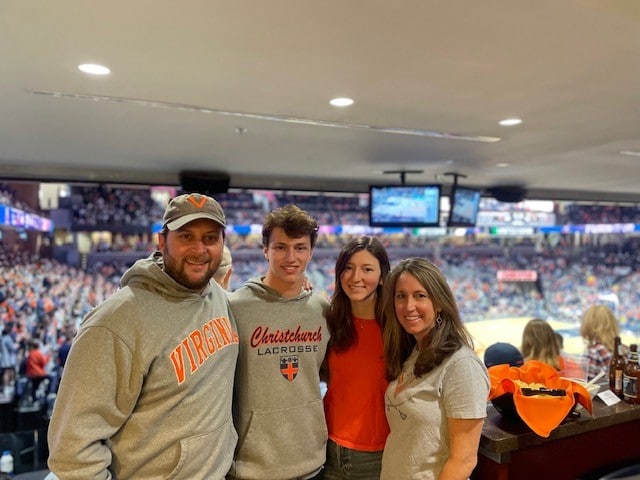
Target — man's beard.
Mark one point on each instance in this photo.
(176, 270)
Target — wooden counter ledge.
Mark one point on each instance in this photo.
(510, 450)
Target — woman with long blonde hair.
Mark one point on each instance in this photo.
(599, 328)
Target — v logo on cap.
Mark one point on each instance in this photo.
(198, 204)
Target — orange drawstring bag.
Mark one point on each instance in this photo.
(541, 398)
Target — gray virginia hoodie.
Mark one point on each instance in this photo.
(278, 408)
(147, 388)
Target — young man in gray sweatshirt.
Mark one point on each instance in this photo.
(278, 409)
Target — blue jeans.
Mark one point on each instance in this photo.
(344, 464)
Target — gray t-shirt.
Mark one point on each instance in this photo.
(417, 410)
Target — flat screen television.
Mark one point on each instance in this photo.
(465, 204)
(404, 205)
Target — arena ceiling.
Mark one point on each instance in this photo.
(243, 88)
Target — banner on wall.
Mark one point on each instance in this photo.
(16, 218)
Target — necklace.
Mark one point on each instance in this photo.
(363, 322)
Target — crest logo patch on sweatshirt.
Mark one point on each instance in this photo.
(289, 367)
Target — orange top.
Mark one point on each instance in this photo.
(36, 363)
(354, 403)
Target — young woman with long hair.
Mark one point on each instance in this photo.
(539, 342)
(354, 366)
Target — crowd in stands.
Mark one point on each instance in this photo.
(45, 300)
(94, 206)
(42, 298)
(104, 205)
(125, 243)
(579, 214)
(8, 197)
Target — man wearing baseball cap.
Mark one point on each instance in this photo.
(147, 386)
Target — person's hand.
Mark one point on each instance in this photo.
(306, 284)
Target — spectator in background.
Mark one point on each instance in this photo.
(354, 403)
(539, 342)
(8, 360)
(437, 399)
(278, 408)
(223, 274)
(147, 388)
(36, 367)
(63, 350)
(63, 353)
(500, 353)
(599, 328)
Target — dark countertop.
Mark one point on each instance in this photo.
(501, 435)
(36, 475)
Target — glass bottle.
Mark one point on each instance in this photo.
(6, 465)
(616, 369)
(631, 376)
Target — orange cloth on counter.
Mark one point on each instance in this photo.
(542, 413)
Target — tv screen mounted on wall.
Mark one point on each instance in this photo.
(404, 205)
(465, 204)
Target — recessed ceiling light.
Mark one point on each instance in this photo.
(94, 69)
(503, 165)
(630, 152)
(510, 122)
(341, 102)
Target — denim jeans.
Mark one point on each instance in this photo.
(344, 463)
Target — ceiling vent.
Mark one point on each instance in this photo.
(207, 183)
(508, 194)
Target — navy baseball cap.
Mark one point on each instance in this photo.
(500, 353)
